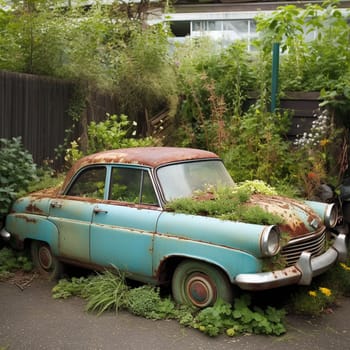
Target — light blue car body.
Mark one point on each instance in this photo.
(147, 241)
(135, 240)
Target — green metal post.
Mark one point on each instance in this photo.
(275, 68)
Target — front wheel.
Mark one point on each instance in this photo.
(199, 284)
(47, 264)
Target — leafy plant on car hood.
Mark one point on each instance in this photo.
(229, 204)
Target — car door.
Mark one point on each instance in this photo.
(123, 228)
(72, 213)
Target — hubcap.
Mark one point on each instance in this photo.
(200, 290)
(45, 258)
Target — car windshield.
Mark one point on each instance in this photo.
(183, 179)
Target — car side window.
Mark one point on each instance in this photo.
(132, 185)
(90, 183)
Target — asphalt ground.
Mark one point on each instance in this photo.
(31, 319)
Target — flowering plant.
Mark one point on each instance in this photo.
(316, 148)
(345, 267)
(321, 300)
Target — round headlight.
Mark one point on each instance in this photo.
(270, 241)
(331, 215)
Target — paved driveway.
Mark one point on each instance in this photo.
(32, 320)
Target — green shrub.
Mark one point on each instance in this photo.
(213, 85)
(258, 148)
(11, 261)
(240, 318)
(17, 170)
(74, 287)
(145, 301)
(46, 179)
(112, 133)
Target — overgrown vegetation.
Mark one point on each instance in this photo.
(308, 37)
(241, 317)
(112, 133)
(101, 48)
(204, 88)
(323, 293)
(17, 170)
(228, 204)
(253, 142)
(108, 291)
(11, 261)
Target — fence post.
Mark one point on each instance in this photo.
(275, 67)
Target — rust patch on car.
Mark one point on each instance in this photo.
(26, 218)
(32, 208)
(48, 192)
(295, 214)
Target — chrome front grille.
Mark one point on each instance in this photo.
(315, 244)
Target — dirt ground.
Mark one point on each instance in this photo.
(31, 319)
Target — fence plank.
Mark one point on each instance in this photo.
(34, 108)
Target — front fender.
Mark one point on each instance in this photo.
(229, 260)
(30, 226)
(231, 246)
(215, 232)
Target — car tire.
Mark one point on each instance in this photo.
(43, 259)
(199, 284)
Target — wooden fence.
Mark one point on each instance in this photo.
(302, 106)
(36, 108)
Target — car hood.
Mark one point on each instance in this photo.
(298, 218)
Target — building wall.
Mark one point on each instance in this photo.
(225, 21)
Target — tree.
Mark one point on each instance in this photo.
(106, 49)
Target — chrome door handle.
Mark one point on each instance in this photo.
(98, 210)
(56, 205)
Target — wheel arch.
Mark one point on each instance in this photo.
(168, 266)
(28, 227)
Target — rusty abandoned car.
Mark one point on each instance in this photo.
(112, 211)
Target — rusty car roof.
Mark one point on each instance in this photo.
(148, 156)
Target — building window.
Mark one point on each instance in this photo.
(180, 28)
(225, 31)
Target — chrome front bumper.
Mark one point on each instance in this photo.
(302, 272)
